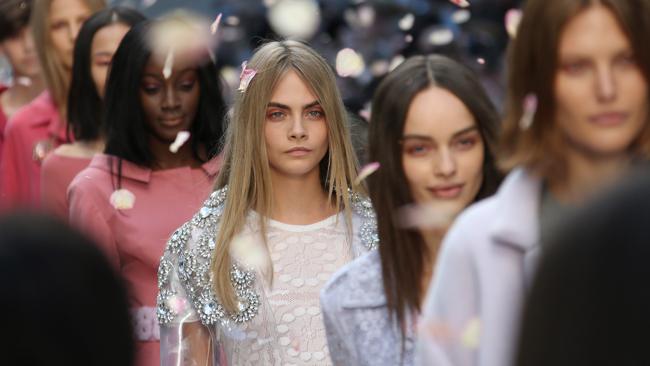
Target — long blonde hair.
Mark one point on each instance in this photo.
(246, 169)
(55, 75)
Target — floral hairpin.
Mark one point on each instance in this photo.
(245, 77)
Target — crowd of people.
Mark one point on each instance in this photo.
(152, 216)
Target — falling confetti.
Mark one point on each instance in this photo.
(512, 20)
(530, 108)
(408, 38)
(245, 77)
(379, 67)
(177, 304)
(122, 199)
(24, 81)
(471, 335)
(480, 60)
(232, 21)
(295, 18)
(148, 3)
(366, 171)
(396, 61)
(250, 252)
(349, 63)
(366, 112)
(461, 3)
(406, 23)
(441, 36)
(169, 64)
(436, 216)
(214, 27)
(461, 16)
(181, 138)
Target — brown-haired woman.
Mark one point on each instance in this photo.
(588, 64)
(433, 131)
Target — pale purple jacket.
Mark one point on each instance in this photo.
(485, 265)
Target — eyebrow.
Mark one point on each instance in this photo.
(284, 106)
(424, 137)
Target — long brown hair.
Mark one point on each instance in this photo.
(246, 169)
(404, 253)
(532, 65)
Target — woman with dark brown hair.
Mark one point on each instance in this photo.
(588, 65)
(433, 131)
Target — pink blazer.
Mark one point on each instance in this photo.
(3, 121)
(484, 268)
(57, 173)
(134, 239)
(33, 128)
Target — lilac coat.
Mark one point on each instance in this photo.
(485, 265)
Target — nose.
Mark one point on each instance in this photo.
(297, 131)
(170, 99)
(74, 30)
(445, 164)
(605, 84)
(27, 40)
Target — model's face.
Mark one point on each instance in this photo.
(66, 18)
(442, 151)
(21, 54)
(600, 93)
(295, 129)
(103, 47)
(170, 105)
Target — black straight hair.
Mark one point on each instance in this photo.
(403, 252)
(14, 16)
(125, 127)
(84, 104)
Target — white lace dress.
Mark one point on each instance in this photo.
(278, 323)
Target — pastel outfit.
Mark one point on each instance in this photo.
(278, 323)
(31, 133)
(134, 239)
(360, 331)
(3, 120)
(486, 263)
(57, 173)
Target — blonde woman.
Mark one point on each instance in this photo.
(243, 276)
(39, 127)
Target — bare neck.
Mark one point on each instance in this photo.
(21, 93)
(165, 159)
(587, 175)
(299, 200)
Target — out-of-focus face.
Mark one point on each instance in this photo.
(442, 151)
(295, 129)
(66, 18)
(103, 47)
(169, 104)
(601, 95)
(21, 54)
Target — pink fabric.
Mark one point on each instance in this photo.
(3, 121)
(20, 173)
(57, 173)
(134, 239)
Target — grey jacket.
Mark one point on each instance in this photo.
(359, 328)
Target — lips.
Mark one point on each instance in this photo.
(298, 151)
(171, 121)
(450, 191)
(609, 119)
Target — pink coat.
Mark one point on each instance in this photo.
(36, 126)
(57, 173)
(134, 239)
(486, 263)
(3, 121)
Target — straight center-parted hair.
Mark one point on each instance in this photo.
(85, 107)
(532, 67)
(404, 252)
(55, 75)
(246, 169)
(14, 17)
(124, 119)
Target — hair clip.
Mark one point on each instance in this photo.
(245, 77)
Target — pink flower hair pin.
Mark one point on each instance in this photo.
(245, 77)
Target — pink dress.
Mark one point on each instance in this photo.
(134, 239)
(3, 121)
(57, 173)
(31, 133)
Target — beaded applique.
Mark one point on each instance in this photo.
(194, 266)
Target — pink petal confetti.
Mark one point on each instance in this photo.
(122, 199)
(471, 335)
(245, 77)
(435, 216)
(147, 3)
(366, 171)
(181, 138)
(295, 18)
(366, 112)
(169, 64)
(408, 38)
(461, 3)
(480, 60)
(24, 81)
(177, 304)
(512, 20)
(530, 108)
(214, 27)
(406, 23)
(349, 63)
